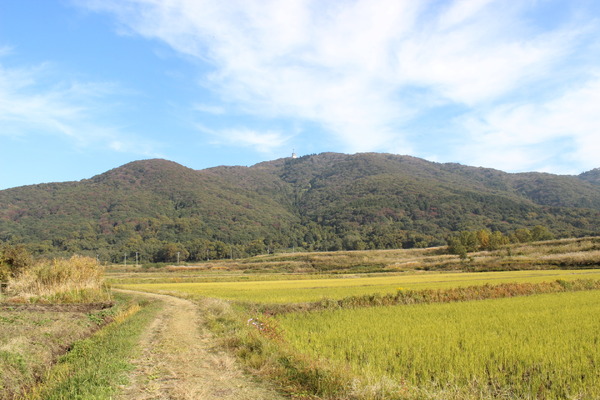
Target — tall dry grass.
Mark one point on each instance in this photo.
(74, 280)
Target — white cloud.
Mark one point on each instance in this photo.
(209, 109)
(363, 70)
(521, 136)
(34, 101)
(261, 141)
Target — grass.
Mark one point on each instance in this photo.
(346, 367)
(32, 338)
(543, 346)
(75, 280)
(52, 341)
(556, 254)
(310, 290)
(97, 365)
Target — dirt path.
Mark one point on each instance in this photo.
(179, 361)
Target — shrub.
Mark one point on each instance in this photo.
(13, 261)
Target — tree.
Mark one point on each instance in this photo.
(469, 240)
(456, 247)
(172, 252)
(497, 240)
(522, 235)
(13, 261)
(484, 237)
(540, 232)
(256, 247)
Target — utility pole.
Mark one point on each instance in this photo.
(178, 257)
(125, 262)
(136, 258)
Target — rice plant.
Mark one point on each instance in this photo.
(536, 347)
(310, 290)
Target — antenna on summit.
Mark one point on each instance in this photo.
(294, 153)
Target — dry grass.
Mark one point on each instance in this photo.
(556, 254)
(76, 280)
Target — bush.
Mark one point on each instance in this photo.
(13, 261)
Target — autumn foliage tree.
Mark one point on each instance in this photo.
(484, 239)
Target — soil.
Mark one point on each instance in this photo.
(180, 360)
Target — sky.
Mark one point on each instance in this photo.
(89, 85)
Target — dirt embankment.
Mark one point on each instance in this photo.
(179, 360)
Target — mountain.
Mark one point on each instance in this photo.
(592, 176)
(328, 201)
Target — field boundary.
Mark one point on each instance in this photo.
(67, 307)
(426, 296)
(87, 360)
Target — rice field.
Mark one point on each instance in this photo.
(535, 347)
(308, 290)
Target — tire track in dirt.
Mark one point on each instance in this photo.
(179, 360)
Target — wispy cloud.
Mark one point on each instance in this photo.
(544, 135)
(4, 50)
(365, 70)
(209, 109)
(35, 101)
(262, 141)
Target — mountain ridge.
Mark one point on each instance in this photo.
(326, 201)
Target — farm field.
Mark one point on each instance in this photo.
(309, 290)
(535, 347)
(341, 332)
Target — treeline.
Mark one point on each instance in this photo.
(484, 239)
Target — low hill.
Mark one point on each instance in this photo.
(328, 201)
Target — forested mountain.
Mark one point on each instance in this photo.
(592, 176)
(328, 201)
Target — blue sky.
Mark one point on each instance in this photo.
(88, 85)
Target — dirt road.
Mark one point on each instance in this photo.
(179, 360)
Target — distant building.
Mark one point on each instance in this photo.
(294, 155)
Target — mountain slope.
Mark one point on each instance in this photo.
(405, 199)
(329, 201)
(592, 176)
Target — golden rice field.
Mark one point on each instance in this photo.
(535, 347)
(308, 290)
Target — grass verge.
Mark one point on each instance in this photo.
(264, 353)
(96, 366)
(32, 336)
